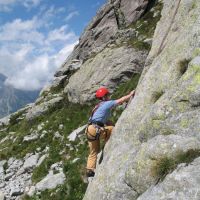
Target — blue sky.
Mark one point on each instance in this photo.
(36, 36)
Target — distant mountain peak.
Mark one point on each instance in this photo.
(2, 77)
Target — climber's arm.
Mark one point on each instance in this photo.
(125, 98)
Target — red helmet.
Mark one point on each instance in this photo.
(101, 92)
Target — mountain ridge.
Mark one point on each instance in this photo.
(13, 99)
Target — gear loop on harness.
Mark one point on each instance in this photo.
(99, 129)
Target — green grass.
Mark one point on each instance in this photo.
(156, 96)
(183, 66)
(166, 165)
(70, 115)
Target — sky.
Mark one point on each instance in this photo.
(36, 36)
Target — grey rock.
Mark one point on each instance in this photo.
(42, 158)
(132, 10)
(13, 165)
(75, 133)
(32, 191)
(2, 185)
(51, 181)
(109, 68)
(162, 118)
(2, 168)
(4, 139)
(2, 196)
(58, 136)
(38, 110)
(183, 183)
(5, 121)
(103, 28)
(15, 191)
(31, 162)
(20, 171)
(9, 176)
(30, 137)
(67, 69)
(61, 126)
(56, 166)
(75, 160)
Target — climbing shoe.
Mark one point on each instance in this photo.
(90, 173)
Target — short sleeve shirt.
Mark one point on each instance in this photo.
(103, 111)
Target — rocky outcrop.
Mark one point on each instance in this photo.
(102, 51)
(114, 15)
(73, 136)
(109, 68)
(182, 182)
(42, 108)
(160, 128)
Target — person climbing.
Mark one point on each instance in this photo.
(99, 126)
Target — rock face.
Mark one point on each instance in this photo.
(110, 67)
(161, 125)
(186, 180)
(114, 15)
(103, 54)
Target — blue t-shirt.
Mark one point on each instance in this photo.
(103, 111)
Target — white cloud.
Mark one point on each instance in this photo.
(71, 15)
(39, 72)
(31, 3)
(30, 57)
(60, 34)
(7, 5)
(21, 30)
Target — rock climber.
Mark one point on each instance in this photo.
(99, 127)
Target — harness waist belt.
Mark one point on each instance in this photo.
(97, 123)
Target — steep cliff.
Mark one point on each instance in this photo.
(158, 134)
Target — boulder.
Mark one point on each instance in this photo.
(30, 137)
(75, 133)
(31, 162)
(51, 181)
(38, 110)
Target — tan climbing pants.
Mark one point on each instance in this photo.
(94, 146)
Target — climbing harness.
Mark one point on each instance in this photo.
(99, 126)
(98, 131)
